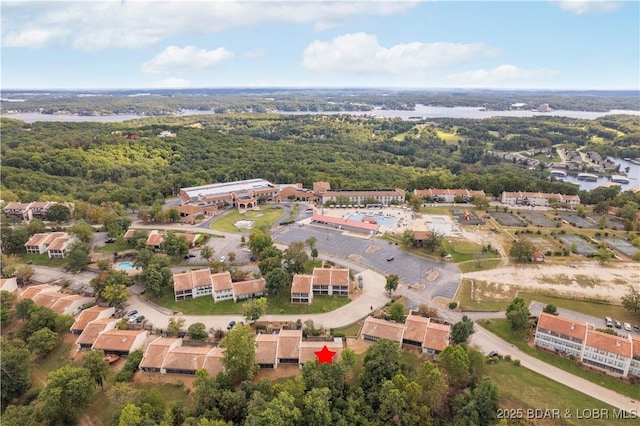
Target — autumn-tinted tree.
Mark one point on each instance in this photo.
(239, 358)
(258, 241)
(392, 283)
(64, 385)
(631, 300)
(82, 230)
(253, 309)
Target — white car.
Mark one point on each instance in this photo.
(246, 250)
(132, 319)
(627, 326)
(222, 258)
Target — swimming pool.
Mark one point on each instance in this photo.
(381, 219)
(127, 266)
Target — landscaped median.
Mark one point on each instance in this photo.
(502, 329)
(263, 218)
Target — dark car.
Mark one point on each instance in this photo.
(636, 328)
(618, 324)
(140, 318)
(110, 240)
(493, 354)
(231, 325)
(189, 256)
(390, 258)
(253, 258)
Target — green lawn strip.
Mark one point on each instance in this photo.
(530, 390)
(482, 265)
(349, 331)
(263, 218)
(466, 303)
(501, 329)
(448, 138)
(43, 260)
(280, 304)
(463, 251)
(119, 245)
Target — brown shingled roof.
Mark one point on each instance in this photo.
(382, 329)
(415, 328)
(190, 358)
(221, 281)
(437, 336)
(249, 287)
(93, 329)
(157, 351)
(87, 316)
(117, 340)
(289, 343)
(330, 276)
(565, 326)
(266, 348)
(308, 349)
(615, 344)
(301, 284)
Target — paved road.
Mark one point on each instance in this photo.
(489, 342)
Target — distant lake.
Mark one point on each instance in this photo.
(421, 112)
(633, 175)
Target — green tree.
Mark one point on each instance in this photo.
(455, 362)
(392, 283)
(115, 294)
(197, 331)
(550, 309)
(415, 202)
(268, 264)
(603, 255)
(175, 325)
(174, 245)
(280, 411)
(65, 385)
(487, 400)
(24, 273)
(19, 415)
(433, 384)
(461, 330)
(253, 309)
(36, 226)
(7, 300)
(314, 253)
(295, 257)
(239, 359)
(480, 202)
(121, 392)
(317, 407)
(277, 280)
(78, 256)
(522, 250)
(518, 314)
(82, 230)
(396, 312)
(258, 241)
(155, 278)
(311, 242)
(631, 301)
(13, 240)
(42, 342)
(348, 358)
(381, 363)
(408, 239)
(131, 415)
(433, 241)
(58, 213)
(206, 253)
(15, 370)
(96, 366)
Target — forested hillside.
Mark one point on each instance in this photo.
(128, 163)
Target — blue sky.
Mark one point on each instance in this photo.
(556, 44)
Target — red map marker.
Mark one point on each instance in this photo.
(325, 356)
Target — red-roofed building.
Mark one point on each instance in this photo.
(120, 342)
(634, 367)
(330, 281)
(222, 288)
(608, 353)
(249, 289)
(448, 195)
(345, 224)
(192, 284)
(561, 334)
(91, 314)
(301, 289)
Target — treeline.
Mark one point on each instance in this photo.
(128, 163)
(168, 102)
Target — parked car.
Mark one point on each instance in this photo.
(110, 240)
(608, 321)
(222, 258)
(253, 258)
(140, 318)
(618, 325)
(493, 353)
(390, 258)
(246, 250)
(231, 325)
(132, 319)
(132, 313)
(189, 256)
(627, 326)
(636, 328)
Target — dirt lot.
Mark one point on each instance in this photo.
(608, 282)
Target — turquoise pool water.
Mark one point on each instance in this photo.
(126, 266)
(381, 219)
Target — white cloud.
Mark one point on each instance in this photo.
(96, 25)
(255, 53)
(361, 53)
(501, 76)
(185, 58)
(581, 7)
(173, 83)
(33, 38)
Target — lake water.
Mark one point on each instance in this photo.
(421, 111)
(633, 175)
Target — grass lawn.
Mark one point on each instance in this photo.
(472, 265)
(501, 329)
(350, 331)
(58, 357)
(463, 251)
(275, 305)
(522, 388)
(261, 219)
(43, 260)
(466, 303)
(449, 138)
(120, 245)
